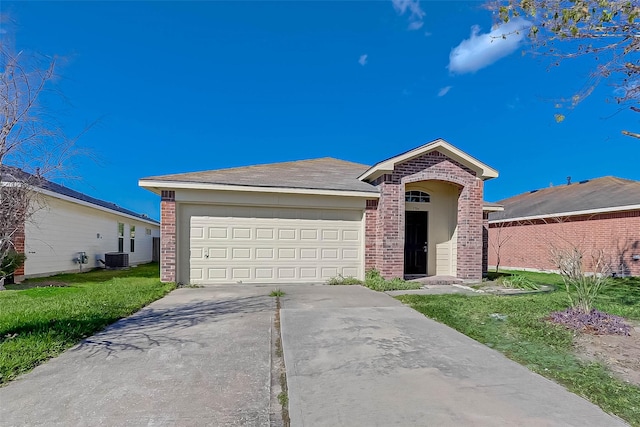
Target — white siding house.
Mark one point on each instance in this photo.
(71, 224)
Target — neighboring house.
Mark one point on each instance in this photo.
(418, 213)
(67, 223)
(597, 214)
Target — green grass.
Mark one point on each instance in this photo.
(277, 292)
(341, 280)
(37, 323)
(374, 280)
(543, 347)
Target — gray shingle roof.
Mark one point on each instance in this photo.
(13, 174)
(599, 193)
(318, 174)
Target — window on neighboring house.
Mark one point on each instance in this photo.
(415, 196)
(148, 231)
(132, 236)
(120, 237)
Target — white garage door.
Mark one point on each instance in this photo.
(262, 245)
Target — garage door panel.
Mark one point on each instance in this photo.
(265, 233)
(218, 232)
(265, 253)
(240, 254)
(241, 233)
(330, 234)
(287, 234)
(197, 232)
(217, 274)
(217, 253)
(308, 253)
(264, 245)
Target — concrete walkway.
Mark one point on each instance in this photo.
(198, 357)
(355, 357)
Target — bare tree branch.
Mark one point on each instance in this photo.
(607, 30)
(32, 147)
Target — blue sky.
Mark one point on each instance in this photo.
(188, 86)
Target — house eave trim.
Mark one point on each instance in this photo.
(93, 206)
(157, 186)
(387, 166)
(572, 213)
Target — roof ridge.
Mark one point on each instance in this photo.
(63, 190)
(288, 162)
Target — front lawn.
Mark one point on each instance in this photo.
(517, 329)
(38, 323)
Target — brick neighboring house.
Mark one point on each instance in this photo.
(418, 213)
(597, 214)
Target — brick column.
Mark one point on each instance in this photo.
(371, 235)
(18, 244)
(391, 228)
(470, 226)
(168, 240)
(485, 243)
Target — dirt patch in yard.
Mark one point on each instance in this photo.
(621, 354)
(31, 285)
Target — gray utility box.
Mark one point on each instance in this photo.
(116, 260)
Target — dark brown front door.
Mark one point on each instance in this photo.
(415, 242)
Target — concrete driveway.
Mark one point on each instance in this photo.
(355, 357)
(198, 357)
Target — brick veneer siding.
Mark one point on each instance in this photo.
(389, 221)
(527, 244)
(485, 243)
(168, 252)
(18, 244)
(370, 234)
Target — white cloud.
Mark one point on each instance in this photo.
(481, 50)
(445, 90)
(416, 14)
(363, 60)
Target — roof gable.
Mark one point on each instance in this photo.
(387, 166)
(600, 194)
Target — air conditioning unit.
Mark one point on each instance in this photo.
(116, 260)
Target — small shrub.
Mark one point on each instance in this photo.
(595, 322)
(341, 280)
(582, 288)
(374, 280)
(277, 293)
(518, 281)
(11, 262)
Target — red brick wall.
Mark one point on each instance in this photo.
(18, 243)
(370, 234)
(168, 253)
(528, 244)
(389, 226)
(485, 242)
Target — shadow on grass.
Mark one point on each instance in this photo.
(492, 275)
(149, 270)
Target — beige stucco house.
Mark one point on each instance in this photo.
(418, 213)
(68, 226)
